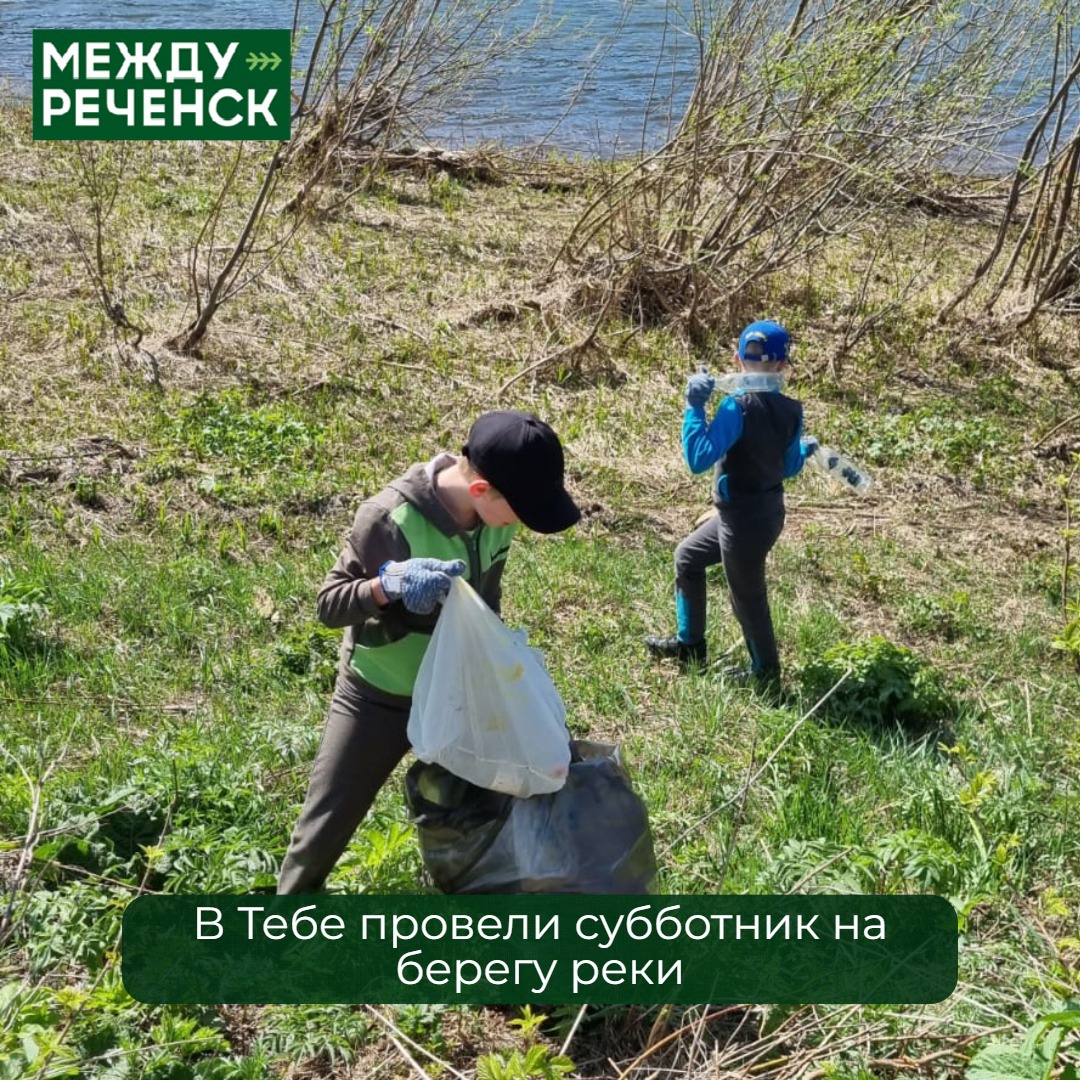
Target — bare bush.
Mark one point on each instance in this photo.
(1038, 264)
(99, 170)
(376, 70)
(802, 124)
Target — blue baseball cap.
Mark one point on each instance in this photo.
(764, 340)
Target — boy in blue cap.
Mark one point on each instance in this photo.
(754, 442)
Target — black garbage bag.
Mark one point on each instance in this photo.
(591, 836)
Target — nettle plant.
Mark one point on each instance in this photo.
(881, 683)
(1039, 1055)
(22, 604)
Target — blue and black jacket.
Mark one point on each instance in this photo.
(754, 443)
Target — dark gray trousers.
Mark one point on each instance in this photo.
(740, 537)
(364, 739)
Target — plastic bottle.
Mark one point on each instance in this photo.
(842, 468)
(750, 381)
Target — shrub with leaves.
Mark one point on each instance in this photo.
(29, 1032)
(885, 683)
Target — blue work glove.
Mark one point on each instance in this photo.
(699, 388)
(419, 584)
(809, 445)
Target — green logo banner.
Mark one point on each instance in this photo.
(517, 949)
(161, 84)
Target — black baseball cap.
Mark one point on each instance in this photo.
(522, 458)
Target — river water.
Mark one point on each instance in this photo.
(586, 85)
(582, 85)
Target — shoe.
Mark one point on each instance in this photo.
(671, 648)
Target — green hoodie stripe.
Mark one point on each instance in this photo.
(393, 667)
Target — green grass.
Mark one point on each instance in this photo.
(164, 680)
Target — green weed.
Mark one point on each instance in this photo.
(1067, 640)
(1038, 1055)
(87, 493)
(947, 618)
(29, 1034)
(423, 1024)
(314, 1033)
(529, 1023)
(22, 606)
(884, 683)
(309, 652)
(537, 1063)
(976, 447)
(224, 426)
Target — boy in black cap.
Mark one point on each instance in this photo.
(448, 517)
(754, 442)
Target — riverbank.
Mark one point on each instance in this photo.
(165, 685)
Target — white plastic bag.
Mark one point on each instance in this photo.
(484, 706)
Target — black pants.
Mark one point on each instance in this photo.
(364, 739)
(741, 537)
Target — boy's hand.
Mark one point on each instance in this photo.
(419, 584)
(699, 388)
(809, 447)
